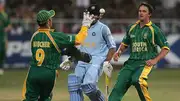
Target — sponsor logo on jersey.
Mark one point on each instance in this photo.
(145, 35)
(132, 36)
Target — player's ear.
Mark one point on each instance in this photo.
(150, 14)
(50, 22)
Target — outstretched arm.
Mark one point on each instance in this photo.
(76, 55)
(87, 20)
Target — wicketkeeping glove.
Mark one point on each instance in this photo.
(66, 64)
(77, 55)
(87, 19)
(107, 68)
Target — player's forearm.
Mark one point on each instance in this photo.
(80, 37)
(121, 49)
(76, 55)
(110, 54)
(162, 54)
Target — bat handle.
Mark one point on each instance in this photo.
(107, 92)
(107, 86)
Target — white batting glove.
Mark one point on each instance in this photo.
(87, 19)
(107, 68)
(66, 64)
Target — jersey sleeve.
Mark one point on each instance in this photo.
(108, 37)
(63, 40)
(160, 39)
(126, 38)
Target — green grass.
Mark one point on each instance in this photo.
(164, 85)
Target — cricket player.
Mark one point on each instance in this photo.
(143, 37)
(100, 44)
(5, 26)
(46, 48)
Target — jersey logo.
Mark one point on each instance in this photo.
(132, 36)
(145, 35)
(93, 34)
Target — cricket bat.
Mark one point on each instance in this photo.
(107, 83)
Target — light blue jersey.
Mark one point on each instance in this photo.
(86, 75)
(98, 41)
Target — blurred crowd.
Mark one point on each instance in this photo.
(22, 12)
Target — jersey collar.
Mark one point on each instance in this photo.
(148, 24)
(95, 24)
(44, 30)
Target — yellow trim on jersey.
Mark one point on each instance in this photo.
(52, 40)
(143, 83)
(132, 27)
(124, 44)
(152, 31)
(34, 35)
(45, 29)
(137, 22)
(24, 87)
(165, 47)
(149, 23)
(24, 90)
(50, 37)
(52, 30)
(79, 38)
(57, 73)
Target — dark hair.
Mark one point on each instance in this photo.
(44, 24)
(150, 7)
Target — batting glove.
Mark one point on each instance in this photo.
(87, 19)
(107, 68)
(66, 64)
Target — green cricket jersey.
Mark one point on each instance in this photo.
(4, 22)
(143, 41)
(46, 48)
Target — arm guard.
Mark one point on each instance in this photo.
(76, 55)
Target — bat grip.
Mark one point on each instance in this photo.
(107, 82)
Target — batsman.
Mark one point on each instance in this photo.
(143, 37)
(47, 47)
(100, 44)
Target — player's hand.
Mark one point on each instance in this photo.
(151, 62)
(116, 56)
(66, 64)
(87, 19)
(107, 68)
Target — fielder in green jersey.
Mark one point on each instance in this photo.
(4, 27)
(143, 37)
(47, 47)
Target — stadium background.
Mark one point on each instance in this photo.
(164, 81)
